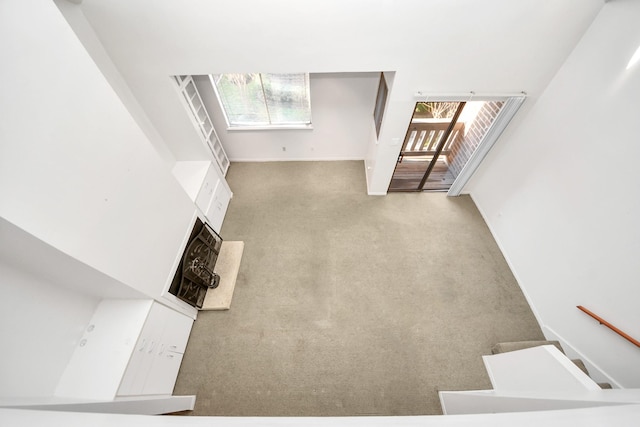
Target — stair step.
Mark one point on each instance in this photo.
(505, 347)
(580, 364)
(537, 368)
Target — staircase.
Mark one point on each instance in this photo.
(534, 376)
(521, 345)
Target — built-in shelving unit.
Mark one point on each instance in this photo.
(202, 121)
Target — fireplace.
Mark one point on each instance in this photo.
(195, 275)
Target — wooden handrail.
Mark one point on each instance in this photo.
(610, 326)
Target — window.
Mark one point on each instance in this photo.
(262, 100)
(381, 101)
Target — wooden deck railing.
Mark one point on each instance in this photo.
(423, 138)
(610, 326)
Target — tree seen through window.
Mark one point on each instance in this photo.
(263, 99)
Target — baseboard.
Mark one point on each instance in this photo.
(295, 159)
(595, 372)
(509, 263)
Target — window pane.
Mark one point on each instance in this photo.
(242, 98)
(381, 100)
(264, 99)
(287, 97)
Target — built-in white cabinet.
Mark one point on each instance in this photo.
(207, 190)
(129, 348)
(218, 207)
(206, 185)
(204, 181)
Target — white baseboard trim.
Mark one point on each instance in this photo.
(296, 159)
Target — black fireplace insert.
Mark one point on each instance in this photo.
(195, 274)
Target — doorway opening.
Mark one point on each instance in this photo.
(442, 138)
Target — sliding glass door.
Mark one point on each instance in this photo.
(443, 137)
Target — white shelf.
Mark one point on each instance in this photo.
(202, 121)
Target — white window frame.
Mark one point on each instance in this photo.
(234, 127)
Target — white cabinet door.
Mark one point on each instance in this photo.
(144, 352)
(176, 331)
(219, 204)
(154, 365)
(129, 381)
(163, 373)
(164, 368)
(206, 193)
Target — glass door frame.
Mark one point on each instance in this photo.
(441, 144)
(512, 103)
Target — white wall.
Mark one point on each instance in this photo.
(41, 324)
(342, 114)
(76, 171)
(431, 45)
(47, 300)
(92, 44)
(560, 195)
(36, 258)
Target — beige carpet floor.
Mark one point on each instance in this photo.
(348, 304)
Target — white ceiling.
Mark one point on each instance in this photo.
(203, 36)
(433, 45)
